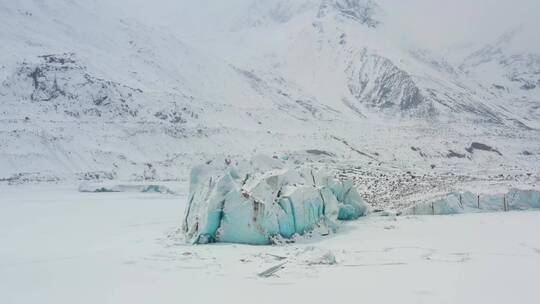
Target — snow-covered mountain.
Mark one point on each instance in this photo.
(129, 90)
(510, 74)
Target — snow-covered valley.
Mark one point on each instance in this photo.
(304, 115)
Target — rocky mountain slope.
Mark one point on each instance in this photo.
(99, 90)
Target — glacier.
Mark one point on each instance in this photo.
(264, 200)
(468, 202)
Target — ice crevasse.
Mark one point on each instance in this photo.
(262, 200)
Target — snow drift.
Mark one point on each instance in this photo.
(262, 201)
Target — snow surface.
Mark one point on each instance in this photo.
(63, 246)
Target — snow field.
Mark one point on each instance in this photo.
(63, 246)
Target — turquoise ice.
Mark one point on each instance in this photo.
(262, 201)
(468, 202)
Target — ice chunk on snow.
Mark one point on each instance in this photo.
(523, 199)
(261, 200)
(127, 187)
(352, 206)
(316, 256)
(467, 202)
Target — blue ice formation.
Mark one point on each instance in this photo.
(467, 202)
(260, 201)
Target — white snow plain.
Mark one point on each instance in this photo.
(59, 245)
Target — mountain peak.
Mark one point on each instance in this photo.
(363, 11)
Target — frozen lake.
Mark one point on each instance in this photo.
(62, 246)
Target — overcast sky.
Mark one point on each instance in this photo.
(436, 24)
(443, 22)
